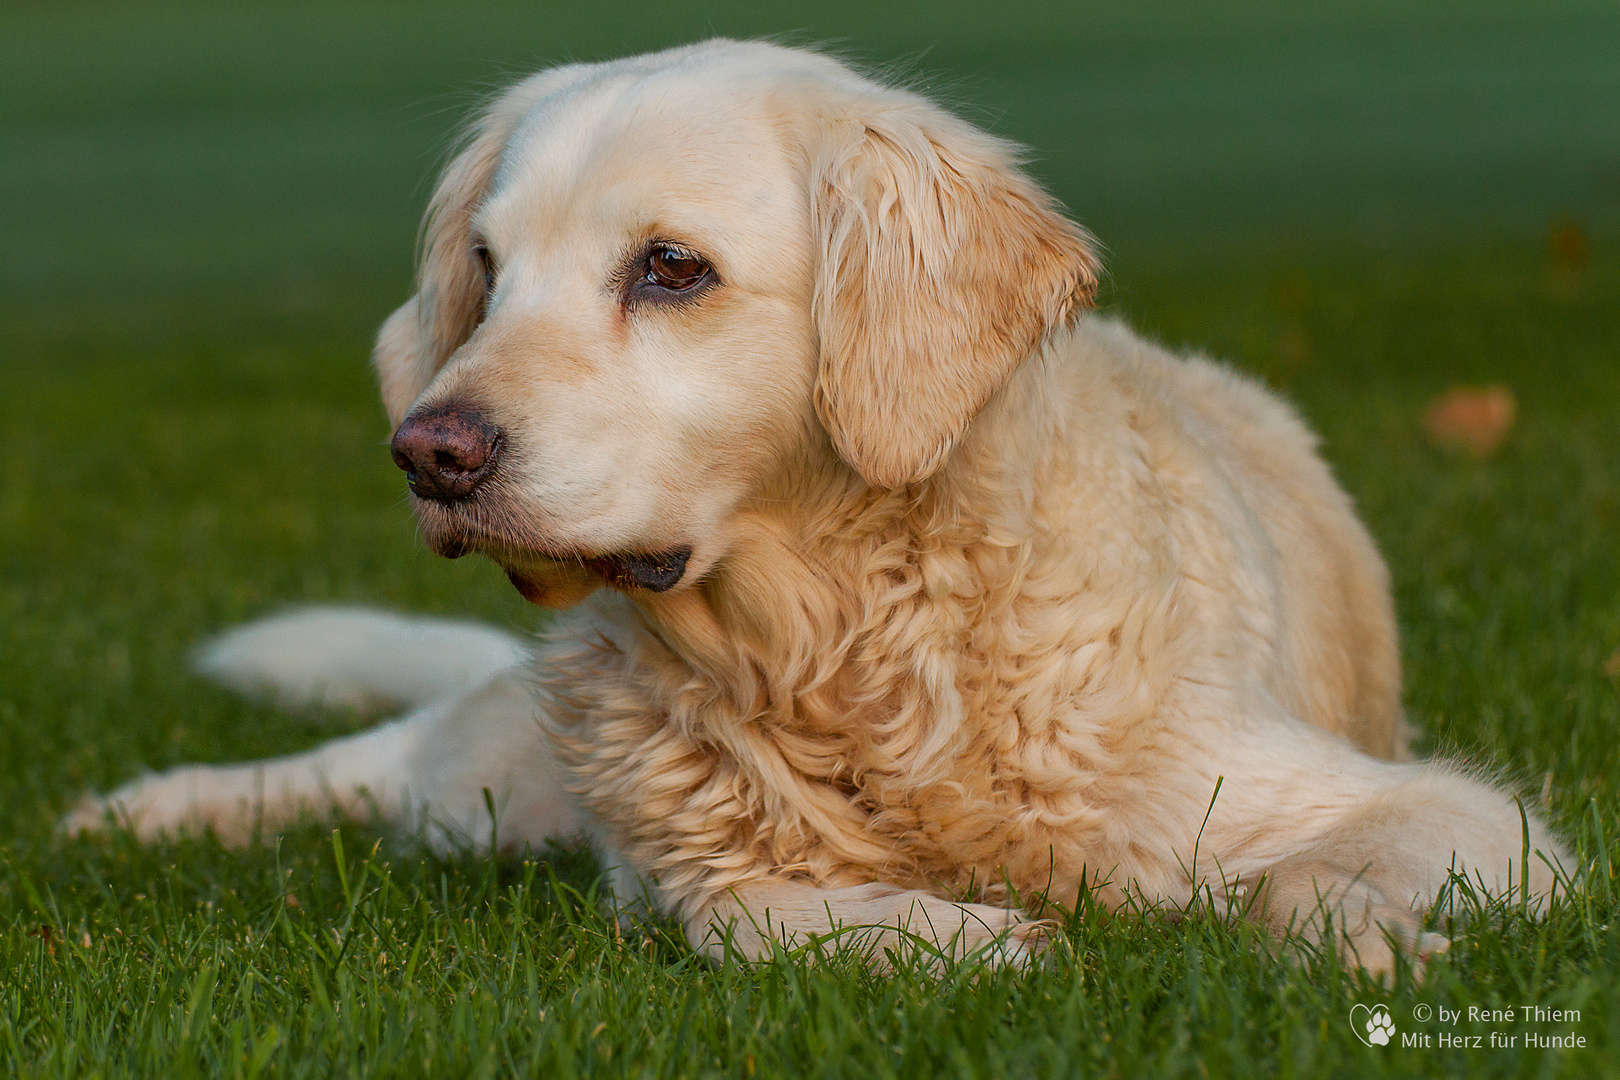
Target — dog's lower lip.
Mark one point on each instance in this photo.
(529, 590)
(650, 571)
(657, 571)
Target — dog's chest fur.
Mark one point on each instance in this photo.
(920, 701)
(970, 683)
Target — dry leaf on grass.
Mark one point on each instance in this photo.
(1611, 666)
(1471, 419)
(1567, 246)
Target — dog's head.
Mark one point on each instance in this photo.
(652, 288)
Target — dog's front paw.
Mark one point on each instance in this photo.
(1382, 932)
(880, 922)
(163, 805)
(1022, 944)
(92, 814)
(994, 936)
(1003, 938)
(1318, 904)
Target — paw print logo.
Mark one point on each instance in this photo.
(1373, 1026)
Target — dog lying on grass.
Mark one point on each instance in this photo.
(901, 590)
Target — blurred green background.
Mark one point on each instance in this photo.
(276, 151)
(206, 210)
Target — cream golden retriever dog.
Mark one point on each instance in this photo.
(903, 592)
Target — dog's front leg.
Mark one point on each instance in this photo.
(1377, 870)
(441, 768)
(1311, 833)
(753, 919)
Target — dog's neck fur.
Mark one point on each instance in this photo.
(852, 629)
(937, 684)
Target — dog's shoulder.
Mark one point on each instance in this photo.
(1204, 398)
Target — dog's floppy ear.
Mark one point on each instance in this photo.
(941, 267)
(403, 364)
(419, 337)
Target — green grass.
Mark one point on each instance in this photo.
(209, 209)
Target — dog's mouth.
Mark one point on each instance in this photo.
(658, 571)
(557, 577)
(553, 582)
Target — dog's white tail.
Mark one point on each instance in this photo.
(355, 658)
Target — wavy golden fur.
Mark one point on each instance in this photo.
(982, 597)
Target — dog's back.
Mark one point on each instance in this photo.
(1336, 660)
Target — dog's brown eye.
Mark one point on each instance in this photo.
(675, 270)
(487, 262)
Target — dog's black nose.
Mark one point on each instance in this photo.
(446, 451)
